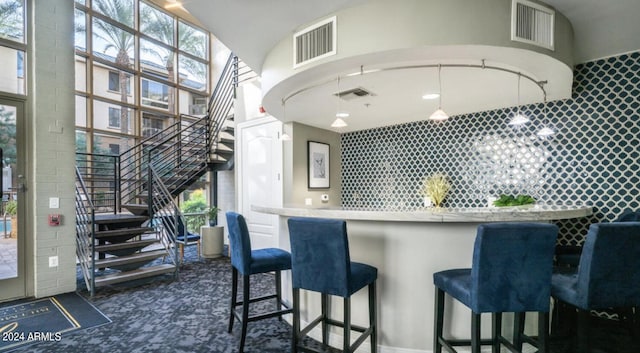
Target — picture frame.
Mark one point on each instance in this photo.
(318, 160)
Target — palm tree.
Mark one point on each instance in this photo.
(11, 19)
(161, 27)
(122, 42)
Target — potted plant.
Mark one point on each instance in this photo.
(212, 214)
(212, 236)
(11, 208)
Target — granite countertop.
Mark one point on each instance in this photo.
(538, 212)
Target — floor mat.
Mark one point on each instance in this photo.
(46, 319)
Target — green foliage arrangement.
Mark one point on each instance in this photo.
(196, 203)
(509, 200)
(212, 213)
(11, 208)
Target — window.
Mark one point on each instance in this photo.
(155, 94)
(114, 82)
(12, 20)
(165, 61)
(151, 126)
(114, 148)
(114, 117)
(13, 48)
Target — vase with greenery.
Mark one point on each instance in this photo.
(436, 188)
(212, 213)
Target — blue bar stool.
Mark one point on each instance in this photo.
(510, 272)
(608, 275)
(320, 262)
(248, 262)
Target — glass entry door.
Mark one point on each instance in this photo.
(12, 238)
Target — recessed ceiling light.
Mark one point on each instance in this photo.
(172, 4)
(431, 96)
(342, 115)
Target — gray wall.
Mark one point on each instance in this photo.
(295, 166)
(51, 146)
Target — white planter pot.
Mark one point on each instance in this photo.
(212, 241)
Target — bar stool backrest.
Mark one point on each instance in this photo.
(320, 259)
(628, 216)
(240, 242)
(609, 270)
(512, 265)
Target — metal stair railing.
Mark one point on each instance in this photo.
(221, 102)
(182, 158)
(164, 213)
(85, 233)
(133, 168)
(100, 173)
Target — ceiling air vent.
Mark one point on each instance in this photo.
(314, 42)
(354, 93)
(532, 23)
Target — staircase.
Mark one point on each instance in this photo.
(126, 215)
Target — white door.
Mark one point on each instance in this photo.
(260, 178)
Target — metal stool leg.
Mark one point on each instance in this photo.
(373, 317)
(324, 302)
(245, 311)
(347, 325)
(296, 320)
(475, 333)
(234, 297)
(439, 320)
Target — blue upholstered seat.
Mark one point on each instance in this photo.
(248, 262)
(569, 255)
(510, 272)
(320, 262)
(608, 275)
(174, 224)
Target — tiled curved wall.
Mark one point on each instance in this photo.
(593, 159)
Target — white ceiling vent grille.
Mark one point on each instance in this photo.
(532, 23)
(314, 42)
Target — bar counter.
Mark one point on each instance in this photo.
(407, 248)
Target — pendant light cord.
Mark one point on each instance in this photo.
(440, 86)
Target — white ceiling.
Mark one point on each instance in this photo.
(251, 28)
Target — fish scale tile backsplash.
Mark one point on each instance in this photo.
(593, 159)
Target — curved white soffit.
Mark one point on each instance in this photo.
(383, 34)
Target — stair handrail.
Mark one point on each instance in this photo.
(164, 215)
(100, 176)
(85, 232)
(221, 101)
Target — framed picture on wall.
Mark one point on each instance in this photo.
(318, 165)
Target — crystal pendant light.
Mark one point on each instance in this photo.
(339, 123)
(546, 130)
(284, 136)
(439, 114)
(518, 119)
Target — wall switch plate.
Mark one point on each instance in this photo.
(54, 202)
(53, 261)
(308, 201)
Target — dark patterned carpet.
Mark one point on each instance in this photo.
(191, 315)
(185, 315)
